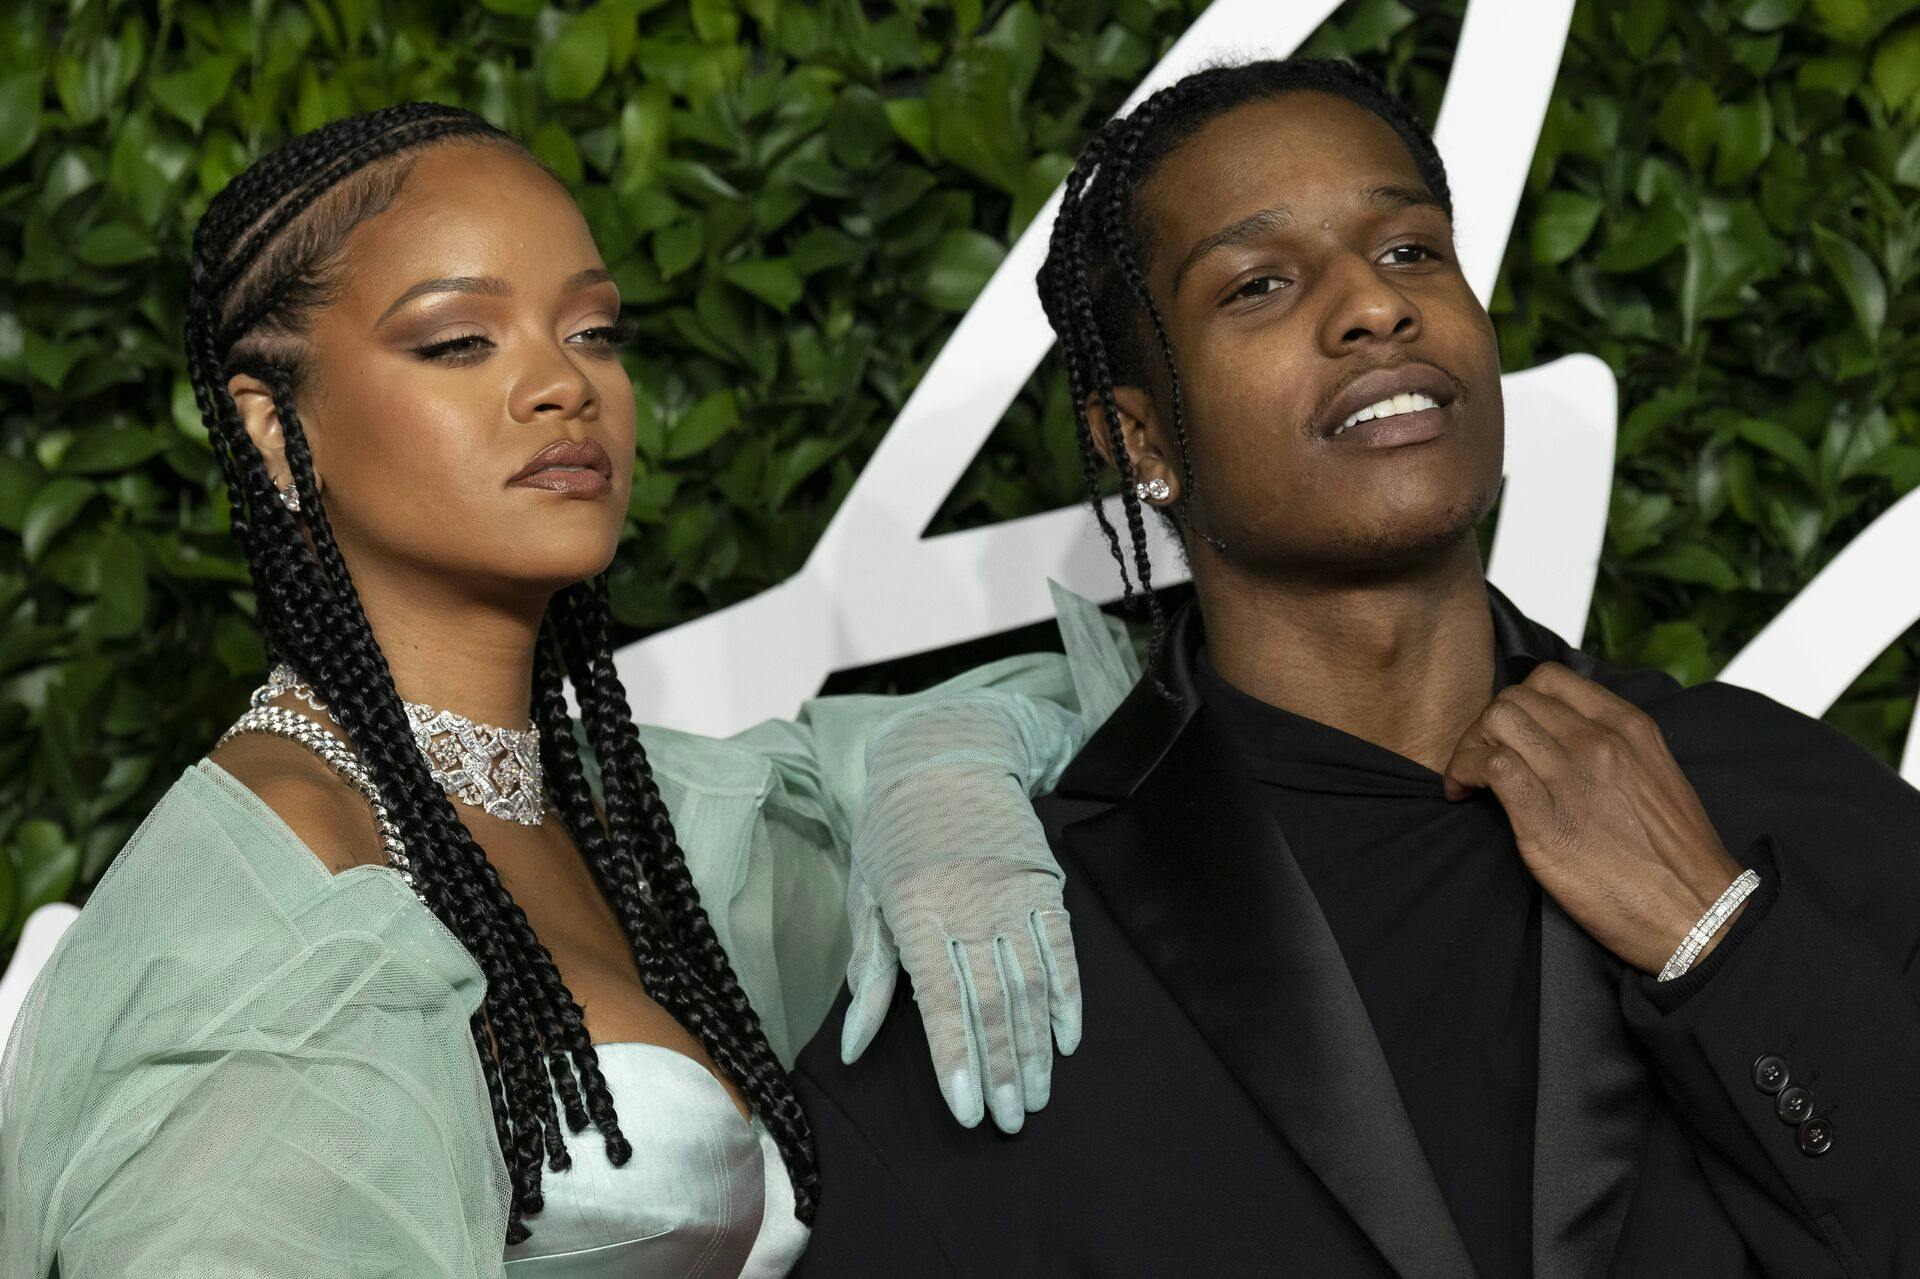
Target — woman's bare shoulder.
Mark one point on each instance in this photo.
(317, 804)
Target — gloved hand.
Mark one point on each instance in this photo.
(952, 878)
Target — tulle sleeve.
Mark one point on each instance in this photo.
(238, 1064)
(766, 817)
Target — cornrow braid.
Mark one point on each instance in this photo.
(1093, 284)
(265, 259)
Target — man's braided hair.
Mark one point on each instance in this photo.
(265, 257)
(1093, 283)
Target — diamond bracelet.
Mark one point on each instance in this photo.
(1698, 936)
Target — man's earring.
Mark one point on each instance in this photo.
(290, 497)
(1153, 490)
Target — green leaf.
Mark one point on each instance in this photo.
(555, 148)
(703, 424)
(1896, 67)
(1373, 24)
(575, 63)
(20, 95)
(1687, 119)
(1746, 137)
(109, 448)
(912, 122)
(1781, 442)
(1563, 223)
(860, 129)
(1859, 279)
(1845, 19)
(974, 126)
(1680, 649)
(53, 508)
(114, 244)
(190, 95)
(1768, 15)
(676, 248)
(772, 280)
(1692, 562)
(962, 262)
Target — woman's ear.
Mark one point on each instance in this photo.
(1140, 432)
(257, 413)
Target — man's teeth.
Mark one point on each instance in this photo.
(1405, 402)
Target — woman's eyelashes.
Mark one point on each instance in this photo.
(468, 348)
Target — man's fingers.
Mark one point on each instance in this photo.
(1503, 770)
(1054, 937)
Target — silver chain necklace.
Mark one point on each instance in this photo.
(492, 768)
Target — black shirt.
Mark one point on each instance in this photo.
(1439, 922)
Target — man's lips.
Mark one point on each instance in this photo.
(1419, 416)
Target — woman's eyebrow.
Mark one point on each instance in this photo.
(490, 285)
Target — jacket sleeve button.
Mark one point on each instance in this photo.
(1770, 1073)
(1793, 1104)
(1816, 1136)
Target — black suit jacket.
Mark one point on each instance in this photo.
(1229, 1111)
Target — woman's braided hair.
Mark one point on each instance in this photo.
(1093, 283)
(265, 257)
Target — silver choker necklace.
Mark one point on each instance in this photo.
(493, 768)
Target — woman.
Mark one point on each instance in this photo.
(262, 1051)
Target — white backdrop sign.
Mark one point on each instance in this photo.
(875, 588)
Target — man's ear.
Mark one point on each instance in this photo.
(257, 413)
(1140, 432)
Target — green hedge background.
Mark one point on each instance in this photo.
(801, 200)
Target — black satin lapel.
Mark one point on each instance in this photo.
(1203, 884)
(1592, 1105)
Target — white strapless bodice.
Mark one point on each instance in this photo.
(705, 1194)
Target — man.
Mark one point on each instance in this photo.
(1374, 881)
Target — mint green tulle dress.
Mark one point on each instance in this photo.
(236, 1063)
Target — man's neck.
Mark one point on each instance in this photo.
(1406, 664)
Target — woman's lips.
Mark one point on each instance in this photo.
(574, 481)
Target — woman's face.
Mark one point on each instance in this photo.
(473, 328)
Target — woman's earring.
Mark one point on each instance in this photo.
(1153, 490)
(290, 497)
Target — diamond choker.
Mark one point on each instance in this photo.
(492, 768)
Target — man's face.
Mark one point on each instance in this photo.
(1304, 273)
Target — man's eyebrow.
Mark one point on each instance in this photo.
(1245, 231)
(490, 285)
(1392, 196)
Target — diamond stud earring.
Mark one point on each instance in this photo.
(289, 497)
(1153, 490)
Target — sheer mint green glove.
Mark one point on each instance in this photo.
(953, 880)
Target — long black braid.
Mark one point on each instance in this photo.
(1093, 283)
(265, 257)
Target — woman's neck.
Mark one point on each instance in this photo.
(455, 652)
